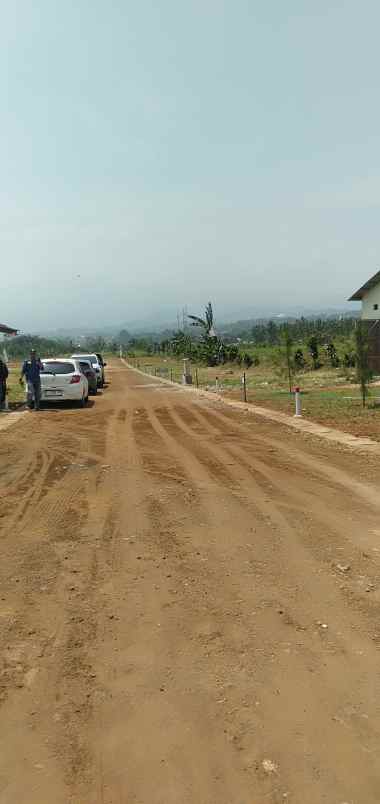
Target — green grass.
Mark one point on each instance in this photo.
(16, 392)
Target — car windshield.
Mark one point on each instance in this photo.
(58, 367)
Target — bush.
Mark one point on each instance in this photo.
(314, 352)
(332, 355)
(349, 360)
(299, 360)
(247, 360)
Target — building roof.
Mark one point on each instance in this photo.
(375, 280)
(8, 330)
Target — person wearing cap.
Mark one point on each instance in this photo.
(30, 373)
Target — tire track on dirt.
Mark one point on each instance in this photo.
(178, 643)
(332, 534)
(290, 520)
(167, 561)
(282, 538)
(338, 479)
(272, 472)
(57, 569)
(216, 470)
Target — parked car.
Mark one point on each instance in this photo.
(62, 379)
(89, 372)
(94, 360)
(103, 364)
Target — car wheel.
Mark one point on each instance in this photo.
(82, 403)
(95, 391)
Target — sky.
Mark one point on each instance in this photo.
(160, 153)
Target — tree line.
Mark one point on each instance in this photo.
(270, 333)
(19, 346)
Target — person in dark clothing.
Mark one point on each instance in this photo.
(30, 372)
(3, 382)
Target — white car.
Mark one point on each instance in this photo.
(61, 380)
(94, 360)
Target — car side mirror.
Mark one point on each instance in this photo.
(104, 364)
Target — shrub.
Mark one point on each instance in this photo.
(349, 360)
(299, 360)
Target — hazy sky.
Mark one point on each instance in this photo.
(161, 152)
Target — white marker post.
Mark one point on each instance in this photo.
(297, 396)
(244, 386)
(186, 376)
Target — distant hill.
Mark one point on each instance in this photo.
(225, 323)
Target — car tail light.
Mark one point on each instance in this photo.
(75, 378)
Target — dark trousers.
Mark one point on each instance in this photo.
(33, 394)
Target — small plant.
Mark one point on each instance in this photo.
(299, 360)
(349, 360)
(332, 355)
(287, 342)
(247, 360)
(283, 356)
(363, 373)
(314, 352)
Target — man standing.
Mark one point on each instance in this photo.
(3, 382)
(31, 370)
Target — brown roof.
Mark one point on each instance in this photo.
(8, 330)
(375, 280)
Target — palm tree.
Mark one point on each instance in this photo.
(207, 323)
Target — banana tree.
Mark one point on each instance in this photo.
(206, 323)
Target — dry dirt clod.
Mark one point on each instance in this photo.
(343, 567)
(269, 766)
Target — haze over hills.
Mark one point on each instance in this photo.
(226, 320)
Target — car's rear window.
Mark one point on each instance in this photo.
(58, 367)
(85, 366)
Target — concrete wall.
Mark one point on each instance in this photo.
(371, 298)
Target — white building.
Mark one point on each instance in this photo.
(369, 295)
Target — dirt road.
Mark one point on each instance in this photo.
(190, 607)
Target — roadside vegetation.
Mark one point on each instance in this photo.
(327, 358)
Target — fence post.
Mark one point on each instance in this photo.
(297, 396)
(155, 371)
(171, 375)
(186, 376)
(196, 378)
(244, 381)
